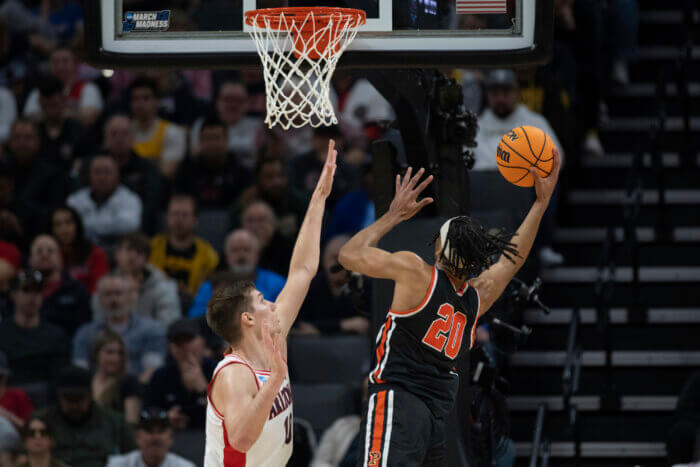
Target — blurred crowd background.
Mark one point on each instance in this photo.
(127, 197)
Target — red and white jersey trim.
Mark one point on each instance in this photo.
(274, 445)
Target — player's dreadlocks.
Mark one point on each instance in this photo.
(468, 248)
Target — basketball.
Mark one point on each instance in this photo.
(521, 148)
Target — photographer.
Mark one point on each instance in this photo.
(333, 304)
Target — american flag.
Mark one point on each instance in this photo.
(473, 7)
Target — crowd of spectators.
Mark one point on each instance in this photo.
(105, 268)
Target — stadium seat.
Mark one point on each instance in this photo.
(190, 445)
(40, 393)
(322, 404)
(213, 226)
(326, 359)
(497, 203)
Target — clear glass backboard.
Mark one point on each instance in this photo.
(398, 33)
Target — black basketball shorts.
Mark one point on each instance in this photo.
(398, 429)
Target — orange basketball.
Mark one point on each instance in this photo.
(521, 148)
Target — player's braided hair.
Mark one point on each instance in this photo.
(471, 248)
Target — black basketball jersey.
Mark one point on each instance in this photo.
(417, 349)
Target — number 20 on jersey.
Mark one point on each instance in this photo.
(446, 332)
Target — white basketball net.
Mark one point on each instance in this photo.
(297, 85)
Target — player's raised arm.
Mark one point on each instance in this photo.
(492, 282)
(245, 415)
(305, 257)
(361, 255)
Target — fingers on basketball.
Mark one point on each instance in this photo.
(522, 149)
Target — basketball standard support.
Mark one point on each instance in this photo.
(436, 134)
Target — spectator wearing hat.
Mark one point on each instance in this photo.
(108, 208)
(180, 387)
(10, 259)
(502, 114)
(144, 337)
(157, 293)
(86, 434)
(242, 252)
(15, 405)
(181, 254)
(84, 261)
(154, 437)
(39, 440)
(214, 177)
(66, 302)
(34, 347)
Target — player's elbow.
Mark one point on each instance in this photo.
(346, 258)
(241, 442)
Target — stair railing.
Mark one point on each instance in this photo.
(604, 285)
(631, 208)
(657, 133)
(570, 381)
(683, 77)
(540, 446)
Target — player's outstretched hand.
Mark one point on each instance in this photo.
(544, 187)
(405, 203)
(325, 181)
(278, 369)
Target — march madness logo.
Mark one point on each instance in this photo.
(146, 21)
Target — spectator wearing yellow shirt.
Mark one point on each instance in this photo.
(179, 253)
(154, 138)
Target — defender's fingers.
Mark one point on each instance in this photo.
(398, 183)
(414, 180)
(424, 202)
(407, 177)
(557, 161)
(424, 185)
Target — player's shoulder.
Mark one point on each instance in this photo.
(411, 261)
(236, 375)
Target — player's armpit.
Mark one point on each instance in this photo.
(491, 283)
(234, 394)
(380, 264)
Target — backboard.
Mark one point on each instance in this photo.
(398, 33)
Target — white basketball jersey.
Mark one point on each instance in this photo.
(274, 446)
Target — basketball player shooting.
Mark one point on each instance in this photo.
(413, 387)
(249, 411)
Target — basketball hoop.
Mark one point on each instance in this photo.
(299, 48)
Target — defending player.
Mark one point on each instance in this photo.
(249, 412)
(431, 321)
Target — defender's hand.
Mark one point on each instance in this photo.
(544, 187)
(405, 204)
(325, 181)
(278, 369)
